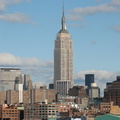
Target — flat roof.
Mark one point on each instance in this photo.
(9, 69)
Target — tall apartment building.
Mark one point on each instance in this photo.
(2, 97)
(12, 97)
(40, 95)
(63, 60)
(7, 78)
(29, 96)
(112, 92)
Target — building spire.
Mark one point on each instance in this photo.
(63, 8)
(63, 24)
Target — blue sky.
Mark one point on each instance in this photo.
(28, 29)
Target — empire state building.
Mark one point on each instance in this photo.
(63, 60)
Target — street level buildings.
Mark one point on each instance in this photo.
(44, 111)
(63, 60)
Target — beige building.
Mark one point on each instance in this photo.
(42, 94)
(29, 96)
(63, 60)
(2, 97)
(12, 97)
(26, 96)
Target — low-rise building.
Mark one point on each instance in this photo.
(44, 111)
(11, 112)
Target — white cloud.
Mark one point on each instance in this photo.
(9, 59)
(116, 28)
(82, 25)
(13, 17)
(78, 13)
(40, 71)
(74, 17)
(5, 3)
(115, 2)
(16, 17)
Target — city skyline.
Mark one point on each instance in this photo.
(27, 26)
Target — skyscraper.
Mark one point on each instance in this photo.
(89, 78)
(63, 60)
(7, 78)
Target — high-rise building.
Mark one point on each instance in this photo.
(27, 82)
(7, 78)
(2, 97)
(63, 60)
(42, 94)
(89, 78)
(51, 86)
(93, 91)
(19, 87)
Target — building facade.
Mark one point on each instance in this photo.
(7, 78)
(27, 82)
(112, 92)
(89, 78)
(63, 60)
(2, 97)
(93, 91)
(9, 113)
(78, 91)
(40, 95)
(28, 96)
(44, 111)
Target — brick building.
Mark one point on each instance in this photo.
(112, 92)
(39, 95)
(26, 96)
(44, 111)
(29, 96)
(12, 97)
(77, 91)
(2, 97)
(9, 113)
